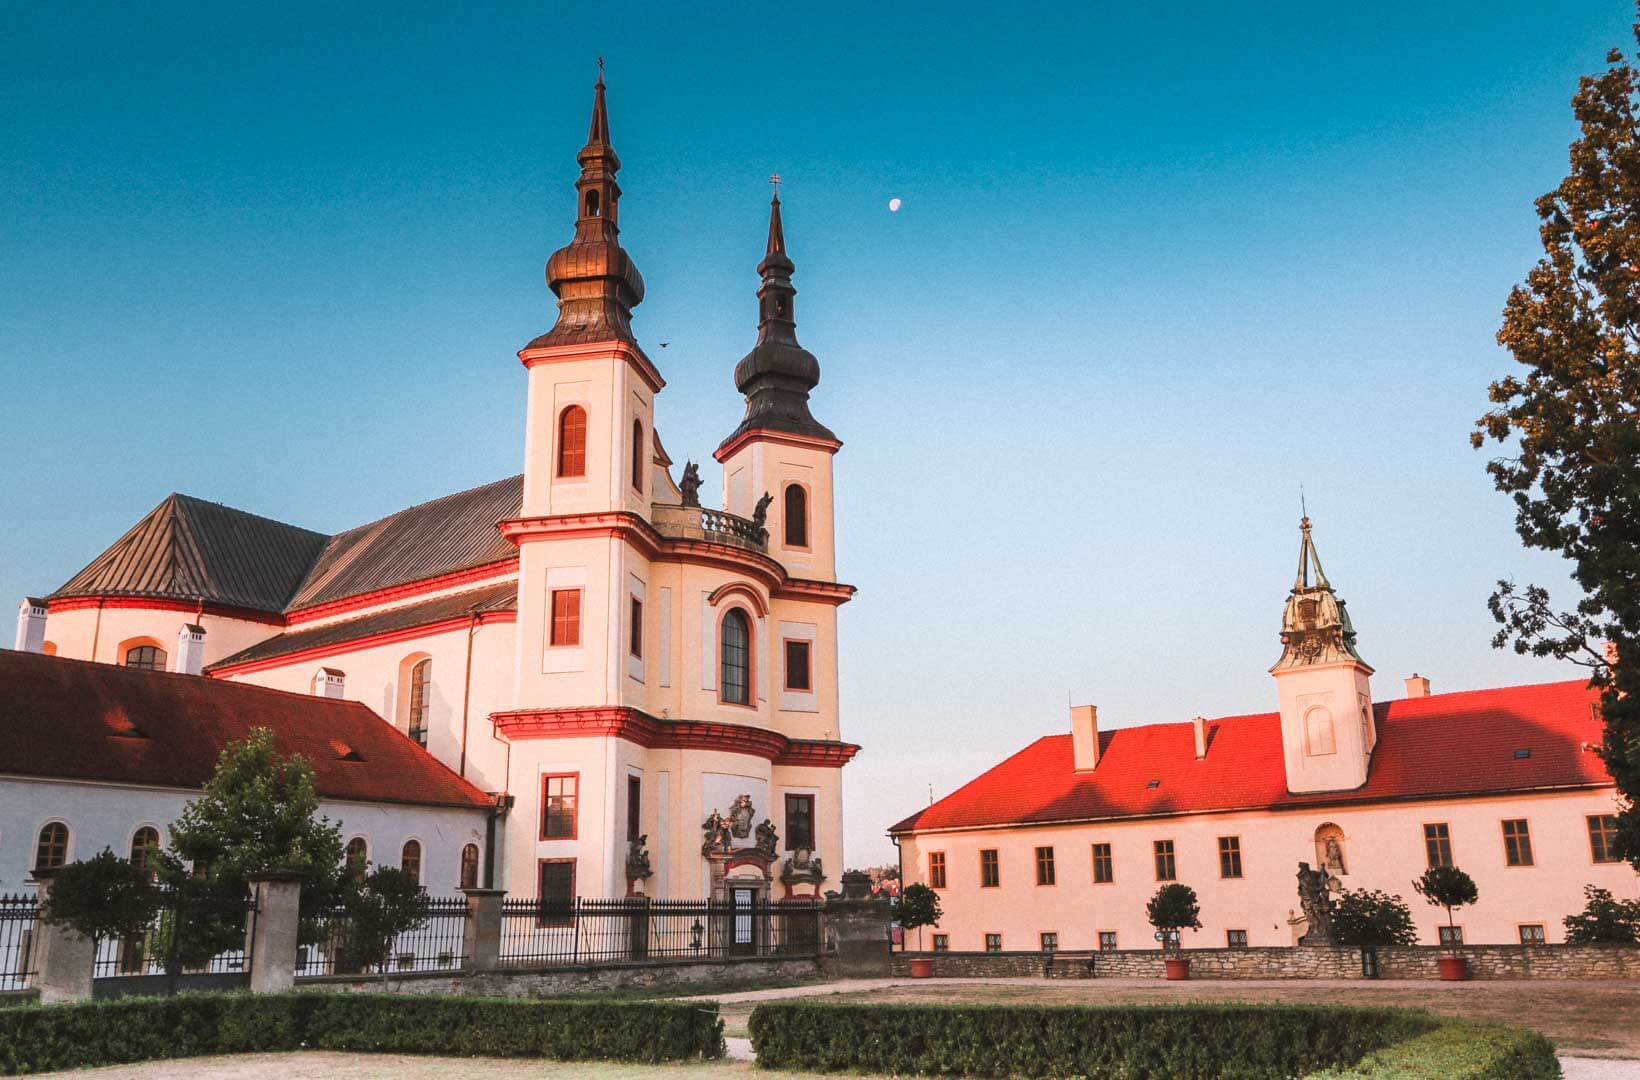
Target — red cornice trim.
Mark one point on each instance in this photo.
(742, 589)
(559, 354)
(785, 438)
(403, 591)
(158, 603)
(635, 726)
(335, 648)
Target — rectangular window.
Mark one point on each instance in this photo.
(557, 895)
(634, 807)
(1050, 941)
(1104, 870)
(1438, 844)
(1229, 856)
(797, 666)
(993, 942)
(1603, 837)
(1165, 868)
(799, 822)
(558, 806)
(990, 874)
(1532, 934)
(1236, 939)
(936, 869)
(1517, 843)
(1450, 935)
(1044, 866)
(566, 618)
(1107, 940)
(942, 942)
(635, 633)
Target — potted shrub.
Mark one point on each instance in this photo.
(1367, 919)
(1603, 920)
(1450, 888)
(1171, 910)
(918, 906)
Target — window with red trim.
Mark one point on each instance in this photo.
(558, 799)
(566, 618)
(797, 666)
(572, 442)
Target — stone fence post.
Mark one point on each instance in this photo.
(63, 958)
(859, 925)
(270, 939)
(481, 937)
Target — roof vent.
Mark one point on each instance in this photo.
(345, 752)
(1523, 753)
(1153, 785)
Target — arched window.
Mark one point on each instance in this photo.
(146, 657)
(637, 455)
(592, 204)
(572, 441)
(421, 678)
(1318, 731)
(410, 860)
(797, 516)
(144, 842)
(735, 654)
(52, 849)
(469, 866)
(357, 857)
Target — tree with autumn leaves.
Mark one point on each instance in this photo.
(1568, 422)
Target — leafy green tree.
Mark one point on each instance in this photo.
(1447, 887)
(387, 903)
(1172, 909)
(1569, 423)
(919, 906)
(1603, 919)
(103, 897)
(1369, 918)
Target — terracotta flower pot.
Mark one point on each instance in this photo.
(922, 967)
(1453, 968)
(1177, 968)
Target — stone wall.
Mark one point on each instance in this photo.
(695, 976)
(1296, 962)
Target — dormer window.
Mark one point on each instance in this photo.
(1523, 753)
(1153, 785)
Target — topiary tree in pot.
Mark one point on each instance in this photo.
(1604, 920)
(1172, 909)
(1369, 918)
(918, 906)
(1450, 888)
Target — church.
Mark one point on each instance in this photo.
(641, 689)
(1061, 845)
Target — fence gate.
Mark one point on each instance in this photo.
(195, 943)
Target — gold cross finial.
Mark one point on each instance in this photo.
(600, 69)
(774, 182)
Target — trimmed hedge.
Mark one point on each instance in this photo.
(35, 1038)
(1245, 1042)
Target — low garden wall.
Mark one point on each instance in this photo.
(703, 975)
(1293, 962)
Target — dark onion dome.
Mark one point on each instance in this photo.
(777, 375)
(596, 282)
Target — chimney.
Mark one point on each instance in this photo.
(1085, 736)
(1199, 725)
(190, 654)
(1417, 686)
(328, 683)
(31, 626)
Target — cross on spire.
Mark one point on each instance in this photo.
(600, 70)
(774, 184)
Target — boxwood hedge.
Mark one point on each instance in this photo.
(1243, 1042)
(35, 1038)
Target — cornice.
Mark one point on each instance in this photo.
(654, 733)
(598, 350)
(403, 591)
(161, 603)
(786, 438)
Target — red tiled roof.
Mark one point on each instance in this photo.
(1443, 745)
(75, 720)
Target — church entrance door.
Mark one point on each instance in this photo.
(744, 938)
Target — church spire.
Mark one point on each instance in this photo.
(777, 375)
(1315, 628)
(595, 280)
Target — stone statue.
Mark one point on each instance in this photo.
(740, 817)
(767, 838)
(803, 865)
(1334, 860)
(637, 859)
(1316, 904)
(717, 838)
(761, 513)
(690, 484)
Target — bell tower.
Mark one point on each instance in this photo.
(1327, 727)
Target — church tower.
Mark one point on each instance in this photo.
(1327, 729)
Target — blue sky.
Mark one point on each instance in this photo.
(1153, 271)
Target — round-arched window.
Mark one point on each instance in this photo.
(421, 679)
(144, 842)
(572, 442)
(469, 866)
(797, 516)
(51, 851)
(145, 658)
(356, 856)
(410, 860)
(735, 654)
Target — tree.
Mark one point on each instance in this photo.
(1603, 919)
(1172, 909)
(387, 903)
(1447, 887)
(919, 906)
(102, 897)
(1370, 918)
(1572, 420)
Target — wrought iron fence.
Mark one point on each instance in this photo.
(189, 936)
(18, 917)
(332, 943)
(547, 933)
